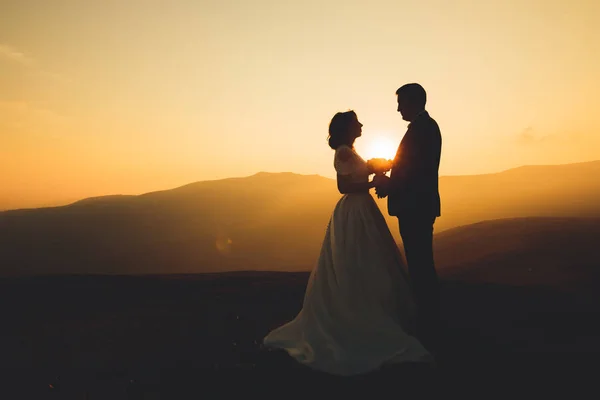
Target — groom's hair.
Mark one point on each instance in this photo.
(414, 93)
(338, 129)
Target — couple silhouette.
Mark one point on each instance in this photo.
(364, 307)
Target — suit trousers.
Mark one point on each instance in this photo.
(417, 237)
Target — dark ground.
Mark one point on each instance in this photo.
(186, 336)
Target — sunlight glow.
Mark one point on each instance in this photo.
(379, 146)
(132, 97)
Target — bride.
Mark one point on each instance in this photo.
(358, 306)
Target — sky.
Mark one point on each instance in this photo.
(124, 97)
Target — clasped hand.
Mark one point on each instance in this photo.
(381, 182)
(379, 166)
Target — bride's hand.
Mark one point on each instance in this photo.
(379, 165)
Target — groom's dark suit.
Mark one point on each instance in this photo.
(414, 198)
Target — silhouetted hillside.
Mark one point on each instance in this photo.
(557, 252)
(549, 190)
(102, 199)
(266, 221)
(263, 222)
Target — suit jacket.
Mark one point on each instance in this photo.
(413, 189)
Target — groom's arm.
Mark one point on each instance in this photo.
(405, 165)
(397, 179)
(417, 162)
(430, 147)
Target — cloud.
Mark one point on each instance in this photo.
(529, 136)
(9, 53)
(13, 55)
(526, 136)
(567, 145)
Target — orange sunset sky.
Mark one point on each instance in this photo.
(107, 96)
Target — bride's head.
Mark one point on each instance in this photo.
(344, 128)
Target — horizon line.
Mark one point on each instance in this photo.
(277, 173)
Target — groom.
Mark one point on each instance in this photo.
(413, 197)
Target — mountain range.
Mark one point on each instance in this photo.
(521, 218)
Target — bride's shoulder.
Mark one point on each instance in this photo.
(344, 153)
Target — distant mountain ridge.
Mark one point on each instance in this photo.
(586, 167)
(267, 221)
(101, 199)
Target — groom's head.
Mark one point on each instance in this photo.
(411, 100)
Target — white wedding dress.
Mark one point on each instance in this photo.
(358, 297)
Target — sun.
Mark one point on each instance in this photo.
(378, 146)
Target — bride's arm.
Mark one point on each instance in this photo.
(345, 165)
(345, 185)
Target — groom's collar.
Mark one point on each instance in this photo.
(421, 114)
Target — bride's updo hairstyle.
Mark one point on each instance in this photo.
(339, 132)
